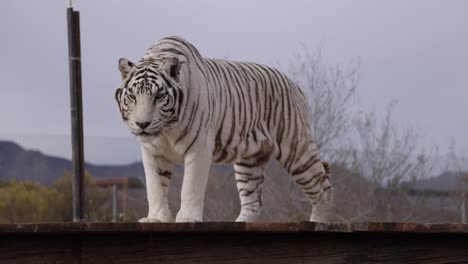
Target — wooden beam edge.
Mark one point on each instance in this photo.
(230, 227)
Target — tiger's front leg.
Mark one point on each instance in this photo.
(158, 172)
(197, 168)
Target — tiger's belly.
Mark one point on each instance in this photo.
(255, 146)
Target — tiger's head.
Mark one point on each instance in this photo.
(149, 97)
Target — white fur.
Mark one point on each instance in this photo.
(249, 144)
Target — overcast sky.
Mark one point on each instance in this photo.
(415, 52)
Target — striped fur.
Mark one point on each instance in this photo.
(188, 109)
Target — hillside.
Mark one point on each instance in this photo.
(447, 181)
(31, 165)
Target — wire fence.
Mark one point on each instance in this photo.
(40, 158)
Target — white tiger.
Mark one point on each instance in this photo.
(184, 108)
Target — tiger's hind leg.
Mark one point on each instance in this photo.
(312, 175)
(321, 211)
(249, 181)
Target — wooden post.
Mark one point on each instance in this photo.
(114, 203)
(74, 53)
(125, 198)
(389, 212)
(463, 208)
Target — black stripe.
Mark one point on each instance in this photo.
(198, 133)
(305, 181)
(166, 174)
(250, 203)
(311, 162)
(191, 120)
(313, 193)
(247, 165)
(247, 192)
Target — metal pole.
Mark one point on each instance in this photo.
(74, 53)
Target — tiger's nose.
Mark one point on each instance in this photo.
(142, 125)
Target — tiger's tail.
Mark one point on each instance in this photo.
(326, 167)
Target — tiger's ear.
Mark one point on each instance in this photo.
(172, 67)
(125, 67)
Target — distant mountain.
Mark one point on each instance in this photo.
(447, 181)
(31, 165)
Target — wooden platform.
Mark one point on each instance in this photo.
(304, 242)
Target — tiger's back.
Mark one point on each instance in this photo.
(259, 109)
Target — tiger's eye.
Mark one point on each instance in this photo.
(158, 97)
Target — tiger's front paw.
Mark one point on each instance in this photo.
(149, 220)
(189, 216)
(157, 216)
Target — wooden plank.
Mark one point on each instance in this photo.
(26, 249)
(304, 242)
(232, 227)
(275, 248)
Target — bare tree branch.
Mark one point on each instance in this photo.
(329, 89)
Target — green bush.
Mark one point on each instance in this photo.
(23, 202)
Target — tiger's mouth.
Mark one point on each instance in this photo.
(146, 134)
